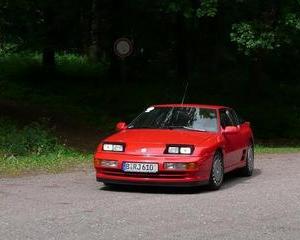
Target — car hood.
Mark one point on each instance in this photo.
(150, 141)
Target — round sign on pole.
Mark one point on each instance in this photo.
(123, 47)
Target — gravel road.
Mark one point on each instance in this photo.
(74, 206)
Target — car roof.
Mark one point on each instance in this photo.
(191, 105)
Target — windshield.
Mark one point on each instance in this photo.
(189, 118)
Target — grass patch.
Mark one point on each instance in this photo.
(33, 148)
(58, 161)
(260, 149)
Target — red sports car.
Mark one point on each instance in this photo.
(177, 145)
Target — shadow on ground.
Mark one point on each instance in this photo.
(231, 179)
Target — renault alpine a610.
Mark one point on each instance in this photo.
(177, 145)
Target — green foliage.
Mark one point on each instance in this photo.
(269, 26)
(76, 65)
(60, 160)
(250, 38)
(33, 139)
(266, 149)
(292, 20)
(8, 48)
(207, 8)
(33, 148)
(18, 65)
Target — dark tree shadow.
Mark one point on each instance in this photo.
(231, 179)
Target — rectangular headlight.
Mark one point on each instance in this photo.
(107, 147)
(179, 149)
(185, 150)
(173, 150)
(113, 147)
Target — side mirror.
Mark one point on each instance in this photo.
(230, 130)
(121, 126)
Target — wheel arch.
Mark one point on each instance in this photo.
(220, 150)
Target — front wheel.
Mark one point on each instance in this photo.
(217, 172)
(247, 171)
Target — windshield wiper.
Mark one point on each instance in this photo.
(185, 127)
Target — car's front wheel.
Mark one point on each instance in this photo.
(217, 172)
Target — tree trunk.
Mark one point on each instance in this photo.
(85, 25)
(49, 57)
(94, 46)
(100, 43)
(117, 67)
(1, 41)
(49, 42)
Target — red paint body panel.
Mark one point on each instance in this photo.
(205, 144)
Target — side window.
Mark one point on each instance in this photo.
(237, 118)
(225, 119)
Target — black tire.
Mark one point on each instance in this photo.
(217, 172)
(247, 171)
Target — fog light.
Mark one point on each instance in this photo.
(109, 163)
(175, 166)
(180, 166)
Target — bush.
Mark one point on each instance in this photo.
(32, 139)
(33, 148)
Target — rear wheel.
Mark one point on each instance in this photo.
(247, 171)
(217, 172)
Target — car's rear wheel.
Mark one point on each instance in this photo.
(217, 172)
(247, 171)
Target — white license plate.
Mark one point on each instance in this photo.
(140, 167)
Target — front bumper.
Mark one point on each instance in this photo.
(195, 177)
(147, 183)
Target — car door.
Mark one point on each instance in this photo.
(245, 131)
(240, 136)
(233, 151)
